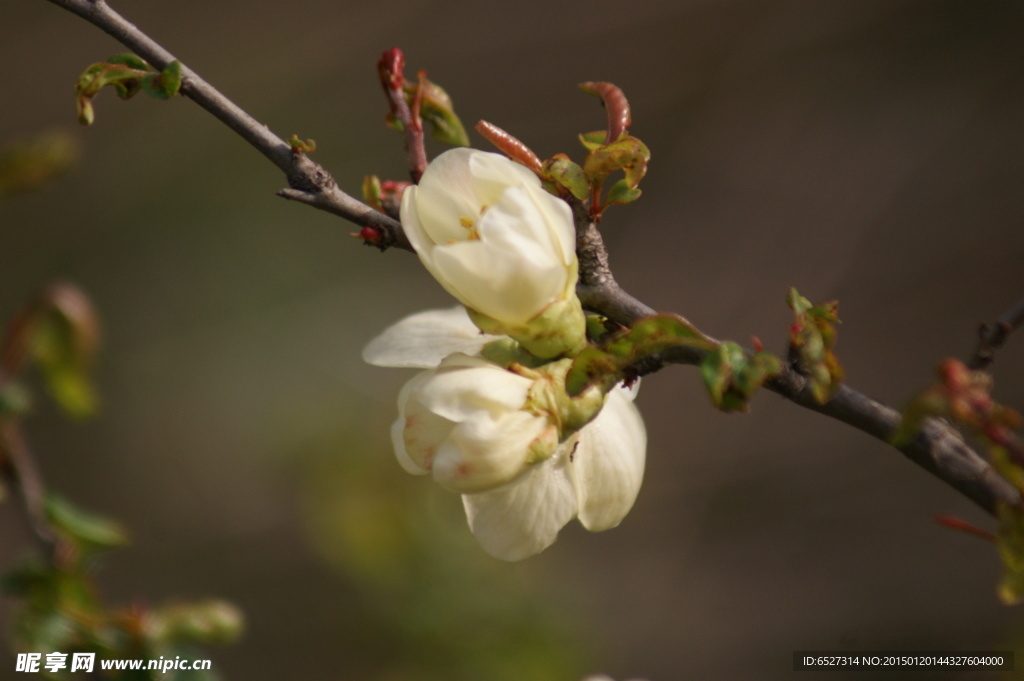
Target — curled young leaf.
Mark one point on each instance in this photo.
(83, 529)
(560, 170)
(812, 337)
(593, 140)
(623, 355)
(127, 74)
(622, 193)
(435, 107)
(509, 145)
(616, 106)
(732, 376)
(62, 337)
(627, 154)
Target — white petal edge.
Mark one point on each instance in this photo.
(423, 339)
(523, 518)
(608, 466)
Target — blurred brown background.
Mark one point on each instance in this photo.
(865, 150)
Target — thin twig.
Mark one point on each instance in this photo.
(308, 182)
(992, 336)
(391, 71)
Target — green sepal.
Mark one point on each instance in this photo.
(622, 193)
(561, 170)
(812, 337)
(732, 375)
(507, 351)
(559, 330)
(621, 355)
(84, 529)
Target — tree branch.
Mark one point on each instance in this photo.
(308, 182)
(938, 448)
(992, 336)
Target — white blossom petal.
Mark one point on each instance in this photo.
(608, 466)
(417, 432)
(524, 517)
(464, 385)
(484, 452)
(423, 339)
(444, 195)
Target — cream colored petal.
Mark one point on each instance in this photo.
(444, 195)
(523, 518)
(608, 466)
(417, 433)
(493, 173)
(484, 452)
(511, 273)
(558, 216)
(423, 339)
(465, 385)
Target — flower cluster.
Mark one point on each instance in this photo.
(490, 417)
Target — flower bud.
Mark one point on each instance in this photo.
(505, 248)
(476, 425)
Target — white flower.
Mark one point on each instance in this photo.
(505, 248)
(467, 421)
(594, 475)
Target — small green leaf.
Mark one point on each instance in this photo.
(732, 376)
(171, 77)
(214, 622)
(28, 164)
(620, 357)
(81, 527)
(63, 344)
(127, 74)
(371, 192)
(622, 193)
(563, 171)
(593, 140)
(436, 108)
(130, 60)
(1010, 540)
(165, 84)
(627, 154)
(300, 146)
